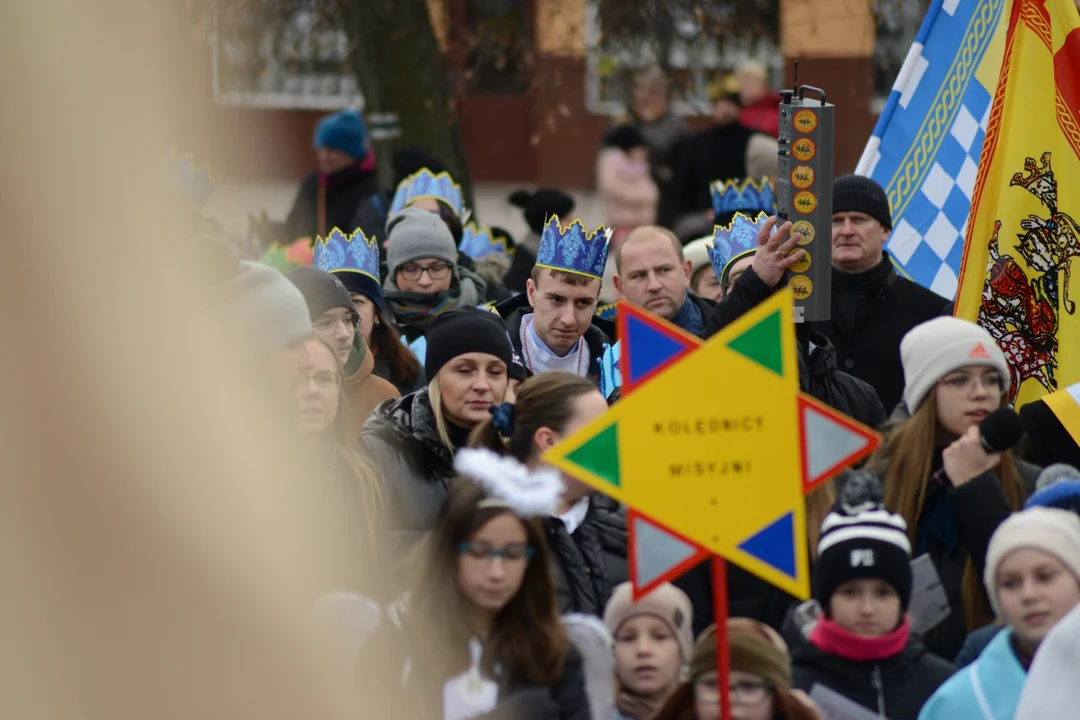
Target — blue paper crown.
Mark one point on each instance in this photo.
(747, 195)
(426, 184)
(479, 242)
(572, 249)
(196, 184)
(734, 241)
(338, 252)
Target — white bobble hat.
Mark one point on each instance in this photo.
(933, 349)
(1052, 530)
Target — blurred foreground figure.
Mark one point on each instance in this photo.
(160, 558)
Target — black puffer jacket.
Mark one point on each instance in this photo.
(818, 374)
(512, 311)
(895, 688)
(590, 562)
(403, 439)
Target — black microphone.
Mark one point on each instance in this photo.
(1001, 430)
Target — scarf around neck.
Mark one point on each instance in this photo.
(418, 310)
(828, 637)
(639, 707)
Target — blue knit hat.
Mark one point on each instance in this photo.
(1058, 486)
(343, 131)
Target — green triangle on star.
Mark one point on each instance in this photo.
(600, 455)
(763, 343)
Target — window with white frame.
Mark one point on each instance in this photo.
(695, 59)
(282, 54)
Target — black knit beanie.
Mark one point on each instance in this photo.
(541, 205)
(624, 137)
(467, 330)
(321, 290)
(855, 193)
(861, 539)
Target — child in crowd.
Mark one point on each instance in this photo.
(1033, 578)
(861, 646)
(653, 643)
(480, 632)
(760, 678)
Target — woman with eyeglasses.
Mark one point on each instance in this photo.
(759, 681)
(414, 439)
(479, 635)
(344, 483)
(950, 491)
(423, 278)
(335, 320)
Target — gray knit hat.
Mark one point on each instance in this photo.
(413, 234)
(267, 310)
(935, 348)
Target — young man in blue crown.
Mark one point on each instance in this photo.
(552, 324)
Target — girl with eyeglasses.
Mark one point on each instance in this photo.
(588, 533)
(414, 439)
(949, 490)
(479, 635)
(334, 319)
(424, 279)
(760, 678)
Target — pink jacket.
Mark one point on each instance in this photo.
(626, 189)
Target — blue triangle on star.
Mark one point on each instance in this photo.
(775, 545)
(648, 347)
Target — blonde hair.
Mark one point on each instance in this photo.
(434, 390)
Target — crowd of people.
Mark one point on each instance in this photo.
(426, 386)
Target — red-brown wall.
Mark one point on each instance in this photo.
(545, 137)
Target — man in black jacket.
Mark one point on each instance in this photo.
(818, 373)
(872, 306)
(652, 272)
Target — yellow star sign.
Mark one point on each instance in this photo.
(717, 445)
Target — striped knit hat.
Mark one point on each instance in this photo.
(861, 539)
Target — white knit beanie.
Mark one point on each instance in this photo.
(1054, 531)
(935, 348)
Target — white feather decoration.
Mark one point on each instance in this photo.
(528, 493)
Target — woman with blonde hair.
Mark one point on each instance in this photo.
(951, 492)
(413, 439)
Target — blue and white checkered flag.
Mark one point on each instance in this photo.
(925, 148)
